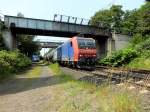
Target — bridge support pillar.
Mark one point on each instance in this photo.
(101, 47)
(110, 46)
(10, 39)
(117, 42)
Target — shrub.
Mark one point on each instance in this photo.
(145, 45)
(120, 58)
(141, 63)
(4, 67)
(134, 54)
(138, 38)
(11, 62)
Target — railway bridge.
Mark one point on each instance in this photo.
(65, 26)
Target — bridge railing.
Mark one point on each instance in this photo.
(81, 21)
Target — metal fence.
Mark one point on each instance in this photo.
(81, 21)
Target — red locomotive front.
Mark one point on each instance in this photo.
(85, 52)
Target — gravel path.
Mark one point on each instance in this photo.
(24, 94)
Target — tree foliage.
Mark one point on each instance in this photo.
(144, 19)
(126, 22)
(112, 16)
(120, 58)
(20, 14)
(25, 42)
(2, 45)
(130, 21)
(11, 62)
(27, 45)
(134, 22)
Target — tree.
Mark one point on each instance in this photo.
(2, 45)
(102, 16)
(26, 44)
(117, 15)
(112, 16)
(138, 20)
(126, 22)
(20, 14)
(144, 19)
(130, 21)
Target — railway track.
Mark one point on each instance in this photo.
(139, 78)
(135, 74)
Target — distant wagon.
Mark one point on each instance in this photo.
(35, 58)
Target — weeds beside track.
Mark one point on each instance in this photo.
(139, 78)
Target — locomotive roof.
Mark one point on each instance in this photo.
(85, 38)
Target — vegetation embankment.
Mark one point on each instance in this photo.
(12, 62)
(80, 96)
(136, 55)
(2, 45)
(15, 61)
(135, 23)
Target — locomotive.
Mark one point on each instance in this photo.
(78, 52)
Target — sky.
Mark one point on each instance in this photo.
(45, 9)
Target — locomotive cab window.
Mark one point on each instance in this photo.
(81, 43)
(86, 43)
(90, 44)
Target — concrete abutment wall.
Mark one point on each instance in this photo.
(106, 45)
(101, 47)
(120, 41)
(9, 39)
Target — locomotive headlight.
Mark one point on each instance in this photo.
(81, 55)
(94, 55)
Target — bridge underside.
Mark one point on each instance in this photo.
(17, 30)
(42, 32)
(101, 46)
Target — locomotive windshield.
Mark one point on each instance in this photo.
(86, 43)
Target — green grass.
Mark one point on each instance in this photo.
(140, 63)
(33, 73)
(30, 74)
(118, 101)
(80, 96)
(55, 68)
